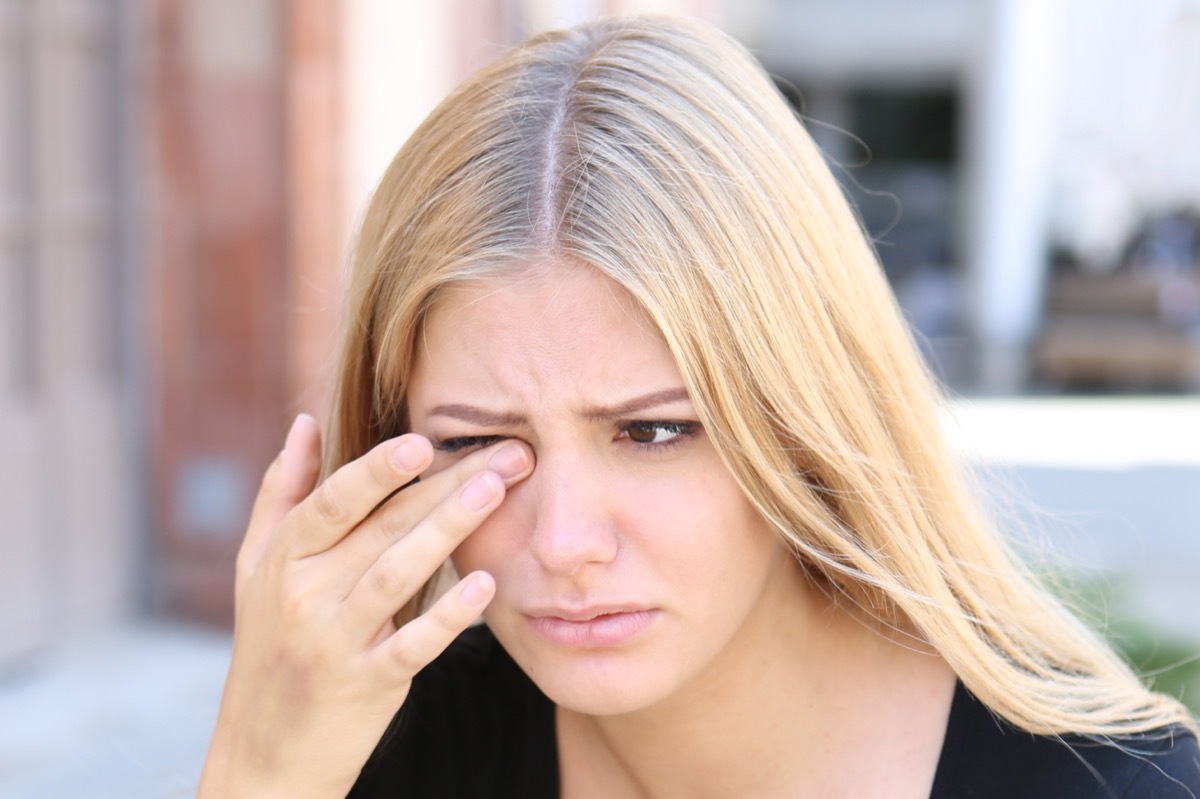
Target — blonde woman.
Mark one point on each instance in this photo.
(618, 351)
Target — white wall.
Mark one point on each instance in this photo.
(1079, 116)
(68, 538)
(397, 65)
(1013, 86)
(1129, 136)
(883, 39)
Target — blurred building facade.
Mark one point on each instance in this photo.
(70, 537)
(179, 180)
(981, 137)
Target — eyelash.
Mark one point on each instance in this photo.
(679, 431)
(460, 443)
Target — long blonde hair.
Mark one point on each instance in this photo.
(658, 152)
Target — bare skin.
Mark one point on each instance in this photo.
(319, 668)
(860, 716)
(738, 676)
(748, 680)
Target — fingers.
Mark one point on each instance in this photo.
(289, 478)
(342, 520)
(350, 494)
(512, 461)
(398, 572)
(417, 643)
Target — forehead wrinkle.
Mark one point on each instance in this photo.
(484, 417)
(544, 373)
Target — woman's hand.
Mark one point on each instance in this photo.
(319, 668)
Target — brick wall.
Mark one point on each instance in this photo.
(239, 118)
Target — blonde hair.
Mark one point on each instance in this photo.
(658, 152)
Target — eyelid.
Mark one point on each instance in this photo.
(683, 424)
(454, 444)
(682, 429)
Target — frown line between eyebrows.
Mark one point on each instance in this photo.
(482, 417)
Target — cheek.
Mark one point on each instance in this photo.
(722, 532)
(697, 527)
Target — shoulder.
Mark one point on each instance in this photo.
(984, 756)
(472, 718)
(1170, 767)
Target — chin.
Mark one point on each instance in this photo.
(603, 681)
(600, 683)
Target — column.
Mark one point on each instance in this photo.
(1010, 131)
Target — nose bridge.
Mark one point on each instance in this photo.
(573, 525)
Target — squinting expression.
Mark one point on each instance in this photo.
(630, 568)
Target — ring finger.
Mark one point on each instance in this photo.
(399, 572)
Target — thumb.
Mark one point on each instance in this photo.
(288, 480)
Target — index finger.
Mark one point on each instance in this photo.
(349, 495)
(404, 512)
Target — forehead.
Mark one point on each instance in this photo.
(564, 333)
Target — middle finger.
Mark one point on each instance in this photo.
(400, 571)
(394, 519)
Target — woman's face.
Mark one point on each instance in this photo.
(630, 567)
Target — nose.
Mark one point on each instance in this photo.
(573, 526)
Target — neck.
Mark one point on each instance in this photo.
(788, 713)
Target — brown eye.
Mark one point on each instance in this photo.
(657, 434)
(642, 433)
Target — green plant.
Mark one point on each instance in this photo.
(1168, 662)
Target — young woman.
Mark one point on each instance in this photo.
(619, 352)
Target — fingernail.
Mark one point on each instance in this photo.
(480, 492)
(409, 456)
(509, 461)
(478, 589)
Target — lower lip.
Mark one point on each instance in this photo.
(609, 630)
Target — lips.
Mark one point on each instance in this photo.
(591, 628)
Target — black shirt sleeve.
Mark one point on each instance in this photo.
(473, 725)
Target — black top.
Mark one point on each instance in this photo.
(474, 726)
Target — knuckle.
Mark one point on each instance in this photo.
(386, 581)
(380, 469)
(405, 658)
(449, 618)
(451, 522)
(442, 620)
(329, 507)
(396, 520)
(297, 601)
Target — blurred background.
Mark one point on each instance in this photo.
(179, 185)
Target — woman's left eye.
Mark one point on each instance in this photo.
(654, 434)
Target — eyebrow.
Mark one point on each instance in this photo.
(595, 413)
(605, 413)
